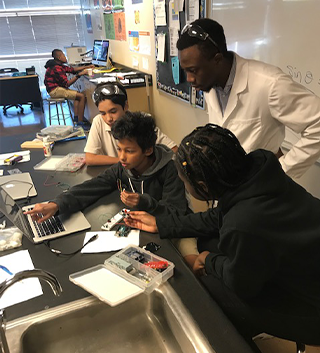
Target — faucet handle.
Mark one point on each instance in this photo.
(38, 273)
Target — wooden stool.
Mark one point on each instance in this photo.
(60, 101)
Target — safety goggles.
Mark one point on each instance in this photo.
(107, 91)
(197, 32)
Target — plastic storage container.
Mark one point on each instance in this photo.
(69, 163)
(124, 275)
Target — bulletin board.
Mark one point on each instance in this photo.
(164, 73)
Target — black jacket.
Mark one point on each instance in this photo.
(269, 233)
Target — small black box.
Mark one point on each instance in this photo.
(30, 70)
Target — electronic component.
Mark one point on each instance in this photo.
(122, 264)
(123, 231)
(135, 255)
(157, 265)
(12, 160)
(115, 219)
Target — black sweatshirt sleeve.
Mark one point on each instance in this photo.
(245, 263)
(189, 226)
(83, 195)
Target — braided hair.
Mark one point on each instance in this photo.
(213, 155)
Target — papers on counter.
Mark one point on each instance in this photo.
(108, 241)
(23, 290)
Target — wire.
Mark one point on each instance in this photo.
(60, 253)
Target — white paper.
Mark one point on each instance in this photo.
(161, 37)
(145, 64)
(160, 13)
(25, 156)
(174, 36)
(181, 4)
(108, 241)
(23, 290)
(144, 43)
(192, 11)
(173, 16)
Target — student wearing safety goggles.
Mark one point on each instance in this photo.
(112, 102)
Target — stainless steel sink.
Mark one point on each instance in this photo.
(156, 323)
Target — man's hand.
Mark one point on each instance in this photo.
(198, 267)
(43, 211)
(142, 220)
(131, 199)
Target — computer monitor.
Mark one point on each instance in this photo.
(100, 52)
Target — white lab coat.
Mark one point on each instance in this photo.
(263, 100)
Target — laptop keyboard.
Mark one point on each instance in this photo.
(51, 226)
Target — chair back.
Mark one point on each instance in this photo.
(7, 70)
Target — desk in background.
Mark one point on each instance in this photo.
(135, 85)
(21, 89)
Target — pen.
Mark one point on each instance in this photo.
(5, 269)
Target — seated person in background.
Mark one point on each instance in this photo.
(145, 175)
(112, 102)
(260, 247)
(57, 83)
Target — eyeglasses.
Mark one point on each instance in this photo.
(197, 32)
(107, 91)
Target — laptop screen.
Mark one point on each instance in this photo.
(14, 213)
(100, 52)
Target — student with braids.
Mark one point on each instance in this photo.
(259, 249)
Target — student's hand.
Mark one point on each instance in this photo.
(198, 267)
(43, 211)
(142, 220)
(131, 199)
(83, 72)
(90, 66)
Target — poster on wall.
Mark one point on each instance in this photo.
(119, 25)
(107, 5)
(134, 41)
(140, 42)
(98, 21)
(144, 43)
(88, 22)
(118, 5)
(109, 26)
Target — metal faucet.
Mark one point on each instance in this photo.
(19, 276)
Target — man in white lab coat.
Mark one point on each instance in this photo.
(255, 100)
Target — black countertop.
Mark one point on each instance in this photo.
(220, 333)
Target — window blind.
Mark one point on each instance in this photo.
(31, 29)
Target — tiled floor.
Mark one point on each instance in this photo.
(16, 123)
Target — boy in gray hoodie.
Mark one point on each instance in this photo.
(145, 175)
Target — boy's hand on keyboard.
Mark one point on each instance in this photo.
(43, 211)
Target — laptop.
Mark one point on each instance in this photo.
(18, 186)
(54, 227)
